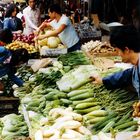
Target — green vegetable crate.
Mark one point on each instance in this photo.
(8, 105)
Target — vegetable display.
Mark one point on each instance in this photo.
(13, 127)
(97, 47)
(76, 77)
(52, 42)
(23, 38)
(62, 103)
(136, 107)
(18, 44)
(65, 124)
(74, 58)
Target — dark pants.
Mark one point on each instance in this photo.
(75, 47)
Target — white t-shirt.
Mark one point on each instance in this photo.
(32, 20)
(69, 36)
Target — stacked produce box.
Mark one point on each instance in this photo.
(87, 32)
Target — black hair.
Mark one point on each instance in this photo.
(6, 36)
(55, 8)
(10, 9)
(27, 1)
(125, 36)
(19, 56)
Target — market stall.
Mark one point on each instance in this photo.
(62, 92)
(59, 99)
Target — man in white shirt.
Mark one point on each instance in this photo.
(62, 27)
(32, 17)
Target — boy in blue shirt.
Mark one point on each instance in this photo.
(10, 59)
(126, 41)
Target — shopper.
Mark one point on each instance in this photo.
(62, 27)
(136, 17)
(11, 21)
(126, 41)
(108, 11)
(32, 17)
(10, 59)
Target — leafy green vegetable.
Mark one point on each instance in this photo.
(74, 59)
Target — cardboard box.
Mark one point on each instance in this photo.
(52, 52)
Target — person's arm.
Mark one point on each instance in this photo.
(96, 20)
(4, 54)
(44, 25)
(53, 33)
(15, 79)
(119, 79)
(6, 23)
(96, 8)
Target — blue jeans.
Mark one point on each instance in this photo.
(8, 70)
(75, 47)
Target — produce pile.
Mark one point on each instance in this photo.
(18, 44)
(86, 31)
(104, 109)
(97, 47)
(23, 38)
(136, 107)
(64, 124)
(13, 127)
(52, 42)
(64, 93)
(74, 58)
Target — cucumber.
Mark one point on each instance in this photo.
(106, 122)
(110, 116)
(132, 128)
(82, 96)
(88, 117)
(97, 113)
(123, 119)
(84, 101)
(85, 111)
(77, 92)
(66, 101)
(86, 105)
(126, 125)
(108, 126)
(95, 120)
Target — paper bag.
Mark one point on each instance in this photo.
(41, 64)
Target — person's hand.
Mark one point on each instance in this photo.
(17, 32)
(43, 25)
(96, 79)
(40, 37)
(36, 32)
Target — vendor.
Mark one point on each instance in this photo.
(32, 17)
(126, 41)
(10, 59)
(63, 28)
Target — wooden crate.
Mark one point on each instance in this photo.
(8, 105)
